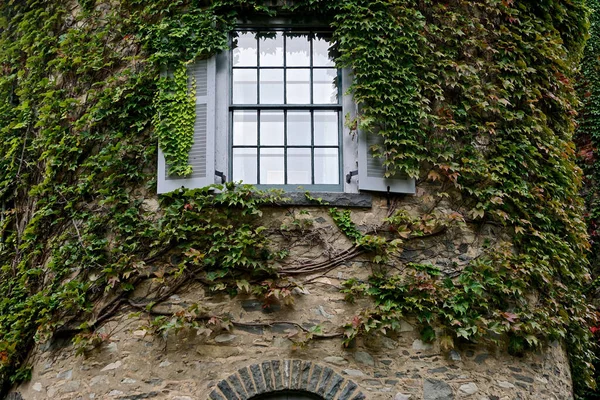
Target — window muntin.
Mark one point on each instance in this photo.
(285, 110)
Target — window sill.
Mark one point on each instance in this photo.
(357, 200)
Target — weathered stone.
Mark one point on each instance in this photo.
(523, 378)
(115, 392)
(164, 364)
(434, 389)
(402, 396)
(128, 381)
(437, 370)
(258, 379)
(237, 385)
(276, 364)
(214, 395)
(365, 358)
(321, 311)
(419, 345)
(255, 330)
(112, 347)
(256, 305)
(283, 328)
(112, 366)
(227, 338)
(37, 387)
(469, 388)
(506, 385)
(335, 360)
(454, 355)
(304, 374)
(268, 375)
(480, 358)
(327, 374)
(282, 342)
(522, 385)
(99, 380)
(387, 343)
(314, 378)
(70, 387)
(153, 381)
(347, 391)
(227, 390)
(335, 383)
(65, 374)
(353, 372)
(247, 381)
(295, 375)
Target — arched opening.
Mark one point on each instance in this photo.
(287, 395)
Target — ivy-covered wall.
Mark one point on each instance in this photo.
(474, 96)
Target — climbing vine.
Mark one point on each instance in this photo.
(473, 98)
(588, 140)
(174, 120)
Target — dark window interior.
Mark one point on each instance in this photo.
(288, 396)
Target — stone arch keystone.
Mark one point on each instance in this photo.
(284, 375)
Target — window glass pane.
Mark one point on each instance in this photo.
(321, 51)
(327, 166)
(299, 166)
(271, 128)
(298, 86)
(297, 50)
(271, 86)
(244, 86)
(271, 49)
(245, 165)
(325, 86)
(244, 52)
(298, 128)
(271, 167)
(326, 128)
(244, 128)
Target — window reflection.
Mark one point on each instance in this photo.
(271, 49)
(271, 86)
(271, 128)
(297, 50)
(285, 109)
(244, 49)
(244, 86)
(325, 86)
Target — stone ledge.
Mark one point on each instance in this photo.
(358, 200)
(285, 375)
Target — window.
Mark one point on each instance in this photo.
(285, 110)
(271, 112)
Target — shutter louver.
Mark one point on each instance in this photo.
(371, 172)
(202, 153)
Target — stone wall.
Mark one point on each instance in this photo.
(258, 352)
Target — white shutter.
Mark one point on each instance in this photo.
(371, 172)
(202, 154)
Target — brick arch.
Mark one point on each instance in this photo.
(281, 375)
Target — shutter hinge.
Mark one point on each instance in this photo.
(350, 174)
(222, 176)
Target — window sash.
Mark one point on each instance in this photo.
(285, 107)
